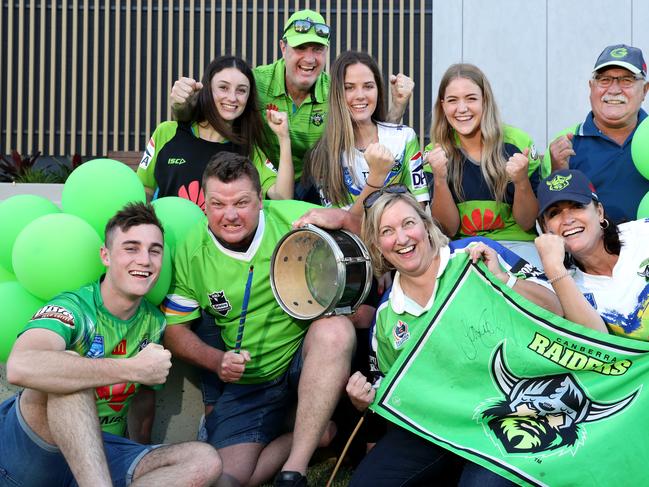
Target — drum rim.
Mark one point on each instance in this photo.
(341, 270)
(368, 271)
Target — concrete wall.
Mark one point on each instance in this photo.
(537, 54)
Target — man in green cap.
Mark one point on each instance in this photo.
(296, 84)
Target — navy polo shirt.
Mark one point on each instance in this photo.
(609, 166)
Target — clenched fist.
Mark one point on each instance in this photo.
(360, 391)
(438, 162)
(379, 159)
(517, 167)
(277, 121)
(561, 150)
(401, 87)
(233, 365)
(183, 91)
(151, 365)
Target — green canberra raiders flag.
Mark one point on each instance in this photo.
(527, 394)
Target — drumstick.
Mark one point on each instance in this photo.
(244, 311)
(344, 452)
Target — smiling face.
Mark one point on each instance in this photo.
(133, 260)
(616, 107)
(462, 105)
(304, 63)
(230, 91)
(361, 93)
(578, 225)
(232, 209)
(403, 240)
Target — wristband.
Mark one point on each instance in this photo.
(372, 186)
(511, 281)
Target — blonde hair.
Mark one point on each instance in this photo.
(372, 223)
(323, 166)
(493, 160)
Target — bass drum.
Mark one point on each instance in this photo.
(316, 272)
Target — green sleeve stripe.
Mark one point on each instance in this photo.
(161, 135)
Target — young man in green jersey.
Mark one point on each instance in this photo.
(82, 360)
(280, 359)
(297, 85)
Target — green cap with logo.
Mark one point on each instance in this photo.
(306, 26)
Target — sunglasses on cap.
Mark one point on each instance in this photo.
(391, 189)
(304, 25)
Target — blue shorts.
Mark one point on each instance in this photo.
(254, 413)
(26, 460)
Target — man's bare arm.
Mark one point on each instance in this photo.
(39, 361)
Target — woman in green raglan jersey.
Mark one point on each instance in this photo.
(226, 117)
(484, 173)
(400, 235)
(360, 152)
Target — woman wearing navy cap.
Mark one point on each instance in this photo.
(599, 270)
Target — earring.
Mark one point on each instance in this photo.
(604, 224)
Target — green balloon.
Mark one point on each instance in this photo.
(643, 207)
(159, 290)
(98, 189)
(6, 275)
(178, 216)
(15, 214)
(640, 148)
(57, 253)
(17, 306)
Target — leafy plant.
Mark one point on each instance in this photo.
(20, 169)
(18, 166)
(64, 170)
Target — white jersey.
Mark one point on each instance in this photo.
(408, 165)
(622, 300)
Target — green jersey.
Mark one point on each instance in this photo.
(306, 122)
(211, 277)
(89, 329)
(399, 318)
(480, 214)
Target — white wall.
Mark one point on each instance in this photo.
(537, 54)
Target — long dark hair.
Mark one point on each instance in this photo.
(612, 244)
(247, 130)
(610, 237)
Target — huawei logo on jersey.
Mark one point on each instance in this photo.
(120, 348)
(117, 394)
(194, 193)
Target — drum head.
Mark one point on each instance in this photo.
(305, 274)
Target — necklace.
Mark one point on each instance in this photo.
(370, 136)
(363, 147)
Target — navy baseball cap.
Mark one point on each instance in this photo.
(627, 57)
(565, 185)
